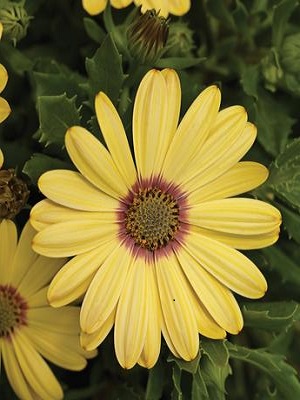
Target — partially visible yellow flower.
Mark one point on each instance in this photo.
(29, 328)
(176, 7)
(4, 106)
(156, 236)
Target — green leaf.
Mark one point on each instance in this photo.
(273, 365)
(17, 60)
(216, 351)
(291, 221)
(282, 264)
(58, 81)
(94, 31)
(214, 377)
(284, 177)
(179, 62)
(156, 382)
(40, 163)
(282, 13)
(199, 389)
(56, 115)
(220, 11)
(276, 316)
(188, 366)
(270, 116)
(105, 71)
(176, 378)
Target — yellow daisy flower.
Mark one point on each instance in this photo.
(29, 328)
(4, 106)
(155, 239)
(176, 7)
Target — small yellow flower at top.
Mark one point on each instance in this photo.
(4, 106)
(164, 7)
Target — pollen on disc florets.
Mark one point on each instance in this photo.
(13, 310)
(152, 218)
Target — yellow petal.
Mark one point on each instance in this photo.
(24, 256)
(74, 277)
(1, 159)
(179, 7)
(238, 216)
(8, 245)
(120, 3)
(89, 341)
(227, 265)
(191, 133)
(62, 350)
(160, 6)
(72, 238)
(39, 299)
(4, 109)
(94, 162)
(149, 124)
(176, 307)
(46, 213)
(115, 138)
(241, 178)
(94, 7)
(241, 242)
(206, 325)
(14, 373)
(1, 30)
(132, 314)
(40, 274)
(71, 189)
(37, 372)
(98, 304)
(64, 320)
(219, 156)
(151, 349)
(216, 298)
(3, 77)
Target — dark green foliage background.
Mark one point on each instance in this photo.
(251, 49)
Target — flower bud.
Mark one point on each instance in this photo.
(147, 36)
(15, 21)
(180, 41)
(13, 194)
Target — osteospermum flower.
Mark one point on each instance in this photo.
(4, 106)
(176, 7)
(155, 239)
(29, 328)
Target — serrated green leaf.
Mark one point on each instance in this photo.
(156, 382)
(276, 316)
(282, 13)
(284, 177)
(274, 365)
(40, 163)
(176, 378)
(216, 351)
(215, 377)
(58, 81)
(105, 70)
(179, 62)
(94, 31)
(282, 264)
(56, 115)
(291, 221)
(199, 390)
(188, 366)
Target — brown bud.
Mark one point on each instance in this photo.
(13, 194)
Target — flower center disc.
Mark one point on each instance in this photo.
(12, 310)
(152, 218)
